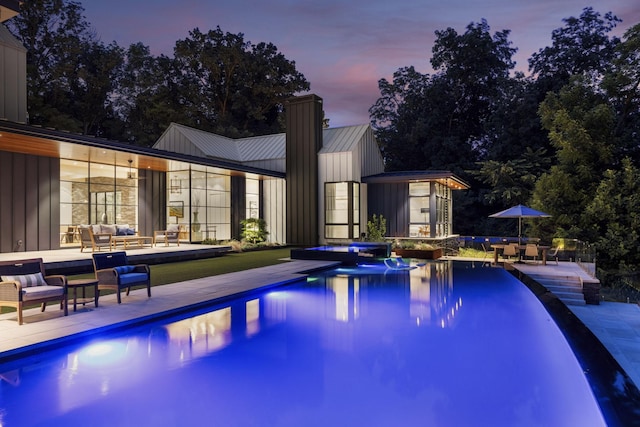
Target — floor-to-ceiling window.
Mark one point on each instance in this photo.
(419, 223)
(95, 193)
(252, 198)
(443, 209)
(342, 210)
(199, 199)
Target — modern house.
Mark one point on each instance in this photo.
(311, 185)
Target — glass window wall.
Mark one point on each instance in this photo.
(342, 210)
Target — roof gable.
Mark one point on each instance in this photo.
(342, 139)
(255, 148)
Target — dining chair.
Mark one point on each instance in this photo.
(531, 250)
(509, 251)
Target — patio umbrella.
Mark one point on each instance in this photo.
(520, 212)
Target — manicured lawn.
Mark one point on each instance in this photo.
(162, 274)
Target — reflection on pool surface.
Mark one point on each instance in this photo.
(445, 344)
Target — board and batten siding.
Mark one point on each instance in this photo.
(303, 142)
(277, 165)
(392, 201)
(30, 200)
(13, 78)
(152, 201)
(371, 161)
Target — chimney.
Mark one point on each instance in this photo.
(304, 141)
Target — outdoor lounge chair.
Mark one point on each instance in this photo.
(170, 235)
(89, 239)
(397, 264)
(114, 272)
(24, 282)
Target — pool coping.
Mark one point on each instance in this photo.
(51, 329)
(616, 393)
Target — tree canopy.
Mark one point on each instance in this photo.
(215, 81)
(554, 139)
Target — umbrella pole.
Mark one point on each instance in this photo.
(519, 260)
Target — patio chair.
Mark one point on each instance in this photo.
(24, 282)
(89, 239)
(114, 272)
(531, 250)
(170, 235)
(553, 253)
(509, 251)
(488, 254)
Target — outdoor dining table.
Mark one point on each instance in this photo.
(499, 247)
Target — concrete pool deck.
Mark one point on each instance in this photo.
(616, 325)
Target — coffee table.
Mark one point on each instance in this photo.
(128, 241)
(83, 283)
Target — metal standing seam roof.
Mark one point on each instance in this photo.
(335, 140)
(265, 147)
(342, 139)
(211, 144)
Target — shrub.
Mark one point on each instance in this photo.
(376, 228)
(254, 230)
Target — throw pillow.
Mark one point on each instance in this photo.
(124, 269)
(27, 280)
(131, 231)
(121, 231)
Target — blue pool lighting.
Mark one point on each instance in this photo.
(440, 345)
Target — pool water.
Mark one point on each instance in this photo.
(444, 344)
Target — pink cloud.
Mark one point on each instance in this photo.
(344, 48)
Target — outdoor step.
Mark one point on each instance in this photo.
(563, 289)
(573, 301)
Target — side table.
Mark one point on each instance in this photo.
(83, 283)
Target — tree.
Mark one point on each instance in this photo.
(614, 215)
(511, 182)
(622, 86)
(70, 74)
(437, 121)
(232, 87)
(581, 46)
(149, 96)
(580, 125)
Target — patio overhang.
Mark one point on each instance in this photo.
(28, 139)
(9, 9)
(444, 177)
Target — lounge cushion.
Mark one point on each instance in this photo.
(27, 280)
(111, 229)
(37, 292)
(124, 269)
(133, 278)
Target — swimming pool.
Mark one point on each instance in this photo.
(445, 344)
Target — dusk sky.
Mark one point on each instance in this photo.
(344, 47)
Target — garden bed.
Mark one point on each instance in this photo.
(434, 253)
